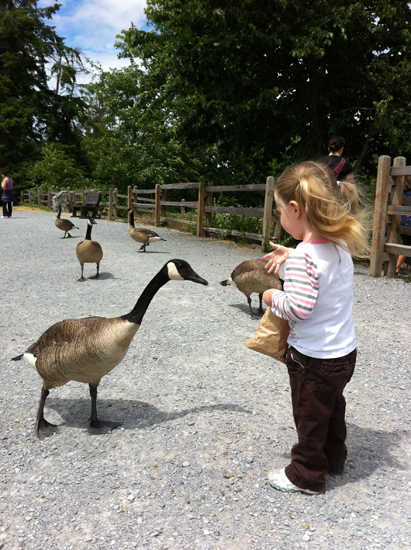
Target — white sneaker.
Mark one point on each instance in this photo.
(279, 480)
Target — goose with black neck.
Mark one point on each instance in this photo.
(87, 349)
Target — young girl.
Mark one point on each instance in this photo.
(317, 302)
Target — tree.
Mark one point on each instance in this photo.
(56, 170)
(30, 113)
(130, 137)
(272, 81)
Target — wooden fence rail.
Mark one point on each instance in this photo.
(138, 199)
(389, 206)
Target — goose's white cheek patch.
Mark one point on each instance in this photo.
(173, 273)
(30, 360)
(231, 282)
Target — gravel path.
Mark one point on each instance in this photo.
(203, 418)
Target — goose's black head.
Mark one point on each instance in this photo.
(91, 221)
(180, 270)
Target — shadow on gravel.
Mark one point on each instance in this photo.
(149, 252)
(105, 275)
(245, 309)
(132, 414)
(369, 450)
(364, 274)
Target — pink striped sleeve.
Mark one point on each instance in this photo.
(297, 301)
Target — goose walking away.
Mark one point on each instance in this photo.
(89, 252)
(86, 349)
(63, 224)
(140, 234)
(251, 276)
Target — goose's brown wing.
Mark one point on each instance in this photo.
(247, 266)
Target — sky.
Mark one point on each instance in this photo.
(92, 25)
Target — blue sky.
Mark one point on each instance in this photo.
(92, 25)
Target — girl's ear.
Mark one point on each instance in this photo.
(295, 209)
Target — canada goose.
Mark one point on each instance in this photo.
(251, 276)
(141, 235)
(86, 349)
(64, 225)
(89, 252)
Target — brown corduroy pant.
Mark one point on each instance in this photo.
(319, 414)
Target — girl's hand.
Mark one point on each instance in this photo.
(276, 258)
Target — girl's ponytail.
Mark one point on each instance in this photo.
(331, 207)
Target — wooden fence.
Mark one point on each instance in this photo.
(389, 206)
(155, 200)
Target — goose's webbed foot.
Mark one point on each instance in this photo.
(44, 429)
(81, 279)
(101, 426)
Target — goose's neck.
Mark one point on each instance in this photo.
(132, 219)
(88, 234)
(59, 214)
(137, 313)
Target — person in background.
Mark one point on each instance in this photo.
(7, 195)
(317, 302)
(341, 167)
(405, 222)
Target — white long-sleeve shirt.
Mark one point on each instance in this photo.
(317, 300)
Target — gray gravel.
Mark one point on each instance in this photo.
(204, 418)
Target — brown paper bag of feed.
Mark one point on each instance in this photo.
(271, 336)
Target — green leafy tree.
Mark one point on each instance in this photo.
(130, 137)
(272, 81)
(57, 170)
(30, 112)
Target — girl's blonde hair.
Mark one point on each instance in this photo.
(331, 208)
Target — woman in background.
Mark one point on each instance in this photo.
(341, 167)
(7, 195)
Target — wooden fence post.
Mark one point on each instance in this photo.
(200, 212)
(209, 202)
(268, 210)
(183, 208)
(39, 197)
(158, 204)
(393, 225)
(115, 203)
(49, 199)
(21, 197)
(135, 208)
(110, 203)
(380, 214)
(129, 198)
(83, 197)
(164, 198)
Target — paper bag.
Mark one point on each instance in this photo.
(271, 336)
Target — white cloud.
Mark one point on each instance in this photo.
(92, 25)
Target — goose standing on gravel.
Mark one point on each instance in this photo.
(86, 349)
(251, 276)
(63, 224)
(89, 252)
(141, 235)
